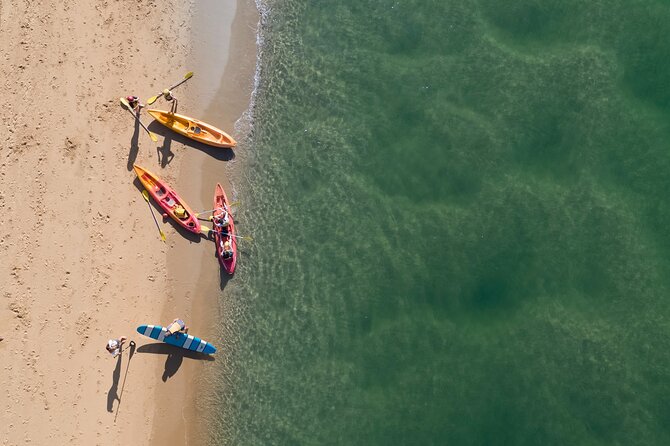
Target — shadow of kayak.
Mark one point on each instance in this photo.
(220, 153)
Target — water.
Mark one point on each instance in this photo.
(460, 221)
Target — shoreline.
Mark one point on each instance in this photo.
(198, 173)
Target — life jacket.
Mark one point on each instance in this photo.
(180, 212)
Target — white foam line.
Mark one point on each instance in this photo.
(247, 118)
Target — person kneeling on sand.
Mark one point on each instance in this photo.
(134, 102)
(176, 326)
(114, 346)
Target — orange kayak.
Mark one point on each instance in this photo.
(221, 233)
(193, 128)
(168, 199)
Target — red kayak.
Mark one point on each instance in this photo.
(168, 199)
(224, 236)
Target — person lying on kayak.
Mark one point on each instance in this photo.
(177, 326)
(168, 96)
(227, 250)
(134, 103)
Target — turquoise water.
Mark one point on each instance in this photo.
(460, 222)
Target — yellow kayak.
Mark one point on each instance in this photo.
(194, 129)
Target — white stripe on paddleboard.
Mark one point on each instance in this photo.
(188, 341)
(201, 347)
(147, 331)
(162, 334)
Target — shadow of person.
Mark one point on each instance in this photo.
(112, 393)
(134, 145)
(125, 375)
(164, 152)
(172, 364)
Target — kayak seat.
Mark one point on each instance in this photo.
(170, 201)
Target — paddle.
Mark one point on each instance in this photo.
(243, 237)
(125, 103)
(153, 99)
(234, 203)
(205, 231)
(145, 194)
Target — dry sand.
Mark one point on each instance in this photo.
(82, 260)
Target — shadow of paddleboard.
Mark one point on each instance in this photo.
(175, 356)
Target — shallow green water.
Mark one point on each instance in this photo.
(460, 222)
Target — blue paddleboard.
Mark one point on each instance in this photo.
(178, 339)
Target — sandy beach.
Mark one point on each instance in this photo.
(82, 259)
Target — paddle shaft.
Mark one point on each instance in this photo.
(180, 82)
(153, 99)
(231, 235)
(234, 203)
(145, 194)
(137, 117)
(138, 120)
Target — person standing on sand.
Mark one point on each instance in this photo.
(168, 96)
(114, 346)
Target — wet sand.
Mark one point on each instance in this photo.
(220, 96)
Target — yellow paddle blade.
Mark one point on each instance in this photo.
(204, 230)
(246, 237)
(152, 99)
(153, 137)
(125, 103)
(145, 194)
(162, 234)
(188, 75)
